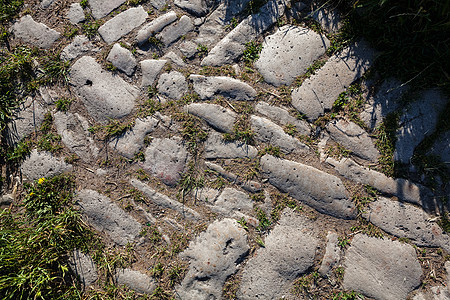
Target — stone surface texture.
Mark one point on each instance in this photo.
(155, 26)
(32, 32)
(209, 87)
(76, 13)
(172, 85)
(135, 280)
(28, 118)
(217, 147)
(79, 46)
(84, 267)
(122, 24)
(43, 164)
(122, 59)
(173, 32)
(218, 117)
(150, 70)
(101, 8)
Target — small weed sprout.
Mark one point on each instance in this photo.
(63, 104)
(202, 50)
(251, 52)
(84, 3)
(243, 223)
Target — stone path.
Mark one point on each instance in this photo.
(216, 169)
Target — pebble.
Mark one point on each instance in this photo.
(135, 280)
(155, 26)
(101, 8)
(150, 70)
(332, 255)
(84, 267)
(76, 13)
(195, 7)
(79, 46)
(28, 118)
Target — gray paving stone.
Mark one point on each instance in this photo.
(289, 251)
(173, 32)
(188, 49)
(329, 19)
(214, 255)
(122, 59)
(135, 280)
(46, 3)
(206, 194)
(434, 293)
(233, 44)
(76, 13)
(106, 216)
(353, 138)
(381, 269)
(166, 159)
(164, 201)
(218, 117)
(79, 46)
(132, 141)
(74, 133)
(268, 132)
(174, 59)
(209, 87)
(419, 119)
(150, 70)
(37, 34)
(230, 201)
(43, 164)
(158, 4)
(122, 24)
(332, 255)
(172, 85)
(288, 53)
(84, 267)
(101, 8)
(405, 220)
(318, 93)
(28, 118)
(282, 116)
(324, 192)
(216, 147)
(155, 26)
(104, 95)
(196, 7)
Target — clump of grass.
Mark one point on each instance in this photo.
(192, 131)
(202, 50)
(264, 221)
(191, 180)
(63, 104)
(55, 69)
(251, 52)
(49, 142)
(90, 27)
(309, 72)
(386, 139)
(112, 129)
(241, 132)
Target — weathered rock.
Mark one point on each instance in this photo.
(173, 32)
(122, 59)
(105, 216)
(405, 220)
(231, 200)
(174, 59)
(208, 87)
(217, 147)
(158, 4)
(332, 255)
(6, 199)
(233, 45)
(43, 164)
(206, 194)
(248, 185)
(132, 141)
(122, 24)
(84, 267)
(135, 280)
(188, 49)
(419, 120)
(214, 255)
(76, 13)
(353, 138)
(155, 26)
(46, 3)
(74, 133)
(318, 93)
(79, 46)
(164, 201)
(35, 33)
(101, 8)
(434, 293)
(282, 117)
(288, 53)
(172, 85)
(150, 70)
(218, 117)
(28, 118)
(166, 159)
(268, 132)
(381, 269)
(196, 7)
(289, 251)
(329, 20)
(324, 192)
(104, 95)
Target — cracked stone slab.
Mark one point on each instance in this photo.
(288, 53)
(217, 147)
(332, 255)
(353, 138)
(268, 132)
(399, 187)
(135, 280)
(173, 32)
(122, 59)
(282, 116)
(132, 141)
(218, 117)
(79, 46)
(166, 159)
(84, 267)
(76, 13)
(214, 255)
(43, 164)
(230, 201)
(155, 26)
(197, 8)
(234, 89)
(37, 34)
(381, 269)
(105, 96)
(318, 93)
(28, 118)
(164, 201)
(405, 220)
(73, 129)
(150, 70)
(122, 24)
(172, 85)
(322, 191)
(233, 44)
(106, 216)
(101, 8)
(289, 252)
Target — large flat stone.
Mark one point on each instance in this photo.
(216, 147)
(318, 93)
(104, 95)
(322, 191)
(214, 255)
(198, 8)
(172, 85)
(381, 269)
(37, 34)
(79, 46)
(150, 70)
(28, 118)
(135, 280)
(173, 32)
(122, 24)
(122, 59)
(155, 26)
(43, 164)
(209, 87)
(106, 216)
(101, 8)
(218, 117)
(289, 251)
(230, 201)
(288, 53)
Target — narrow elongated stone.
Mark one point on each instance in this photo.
(122, 24)
(155, 26)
